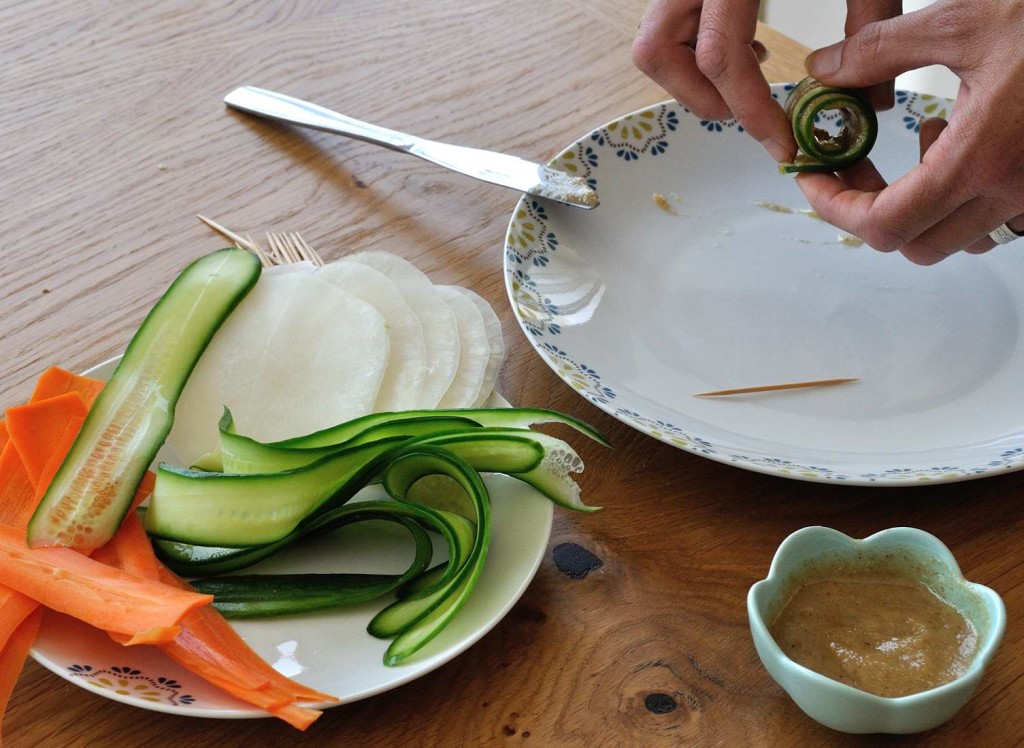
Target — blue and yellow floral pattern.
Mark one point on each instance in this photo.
(920, 106)
(643, 133)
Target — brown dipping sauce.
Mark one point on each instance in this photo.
(874, 626)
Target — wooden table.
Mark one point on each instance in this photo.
(114, 136)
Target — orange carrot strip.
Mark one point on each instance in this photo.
(155, 635)
(134, 550)
(57, 381)
(39, 430)
(3, 433)
(52, 382)
(144, 490)
(208, 646)
(299, 717)
(13, 654)
(17, 494)
(87, 387)
(17, 501)
(105, 597)
(213, 628)
(14, 608)
(135, 554)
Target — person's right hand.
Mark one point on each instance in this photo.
(971, 179)
(703, 53)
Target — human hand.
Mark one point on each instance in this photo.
(703, 53)
(971, 176)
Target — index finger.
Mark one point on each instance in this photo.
(662, 50)
(724, 54)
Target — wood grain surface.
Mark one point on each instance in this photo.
(114, 136)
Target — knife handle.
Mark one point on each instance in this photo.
(283, 108)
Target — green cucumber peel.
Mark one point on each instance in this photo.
(231, 510)
(241, 454)
(93, 489)
(413, 622)
(494, 417)
(263, 595)
(222, 509)
(422, 584)
(201, 561)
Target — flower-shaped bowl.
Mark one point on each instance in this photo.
(843, 707)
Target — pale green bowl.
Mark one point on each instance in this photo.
(843, 707)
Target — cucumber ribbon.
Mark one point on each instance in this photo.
(820, 151)
(211, 524)
(459, 511)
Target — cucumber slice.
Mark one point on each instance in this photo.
(130, 419)
(240, 454)
(262, 595)
(243, 510)
(200, 561)
(497, 417)
(243, 455)
(423, 584)
(415, 621)
(269, 595)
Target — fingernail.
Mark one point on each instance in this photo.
(781, 152)
(824, 62)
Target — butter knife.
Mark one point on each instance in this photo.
(496, 168)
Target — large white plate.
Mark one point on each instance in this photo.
(328, 651)
(639, 309)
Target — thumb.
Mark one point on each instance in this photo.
(882, 50)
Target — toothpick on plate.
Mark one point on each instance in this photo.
(776, 387)
(285, 248)
(252, 246)
(236, 238)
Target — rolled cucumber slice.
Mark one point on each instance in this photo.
(132, 415)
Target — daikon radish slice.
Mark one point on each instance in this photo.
(305, 266)
(298, 354)
(226, 372)
(495, 342)
(407, 361)
(440, 330)
(474, 351)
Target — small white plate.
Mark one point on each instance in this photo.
(329, 651)
(639, 308)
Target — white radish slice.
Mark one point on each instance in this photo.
(283, 363)
(474, 351)
(495, 342)
(306, 266)
(226, 373)
(440, 330)
(407, 361)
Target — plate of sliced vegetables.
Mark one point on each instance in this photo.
(330, 651)
(353, 546)
(704, 270)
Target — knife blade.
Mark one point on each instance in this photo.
(489, 166)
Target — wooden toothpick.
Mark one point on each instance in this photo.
(775, 387)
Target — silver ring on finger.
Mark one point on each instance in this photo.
(1004, 235)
